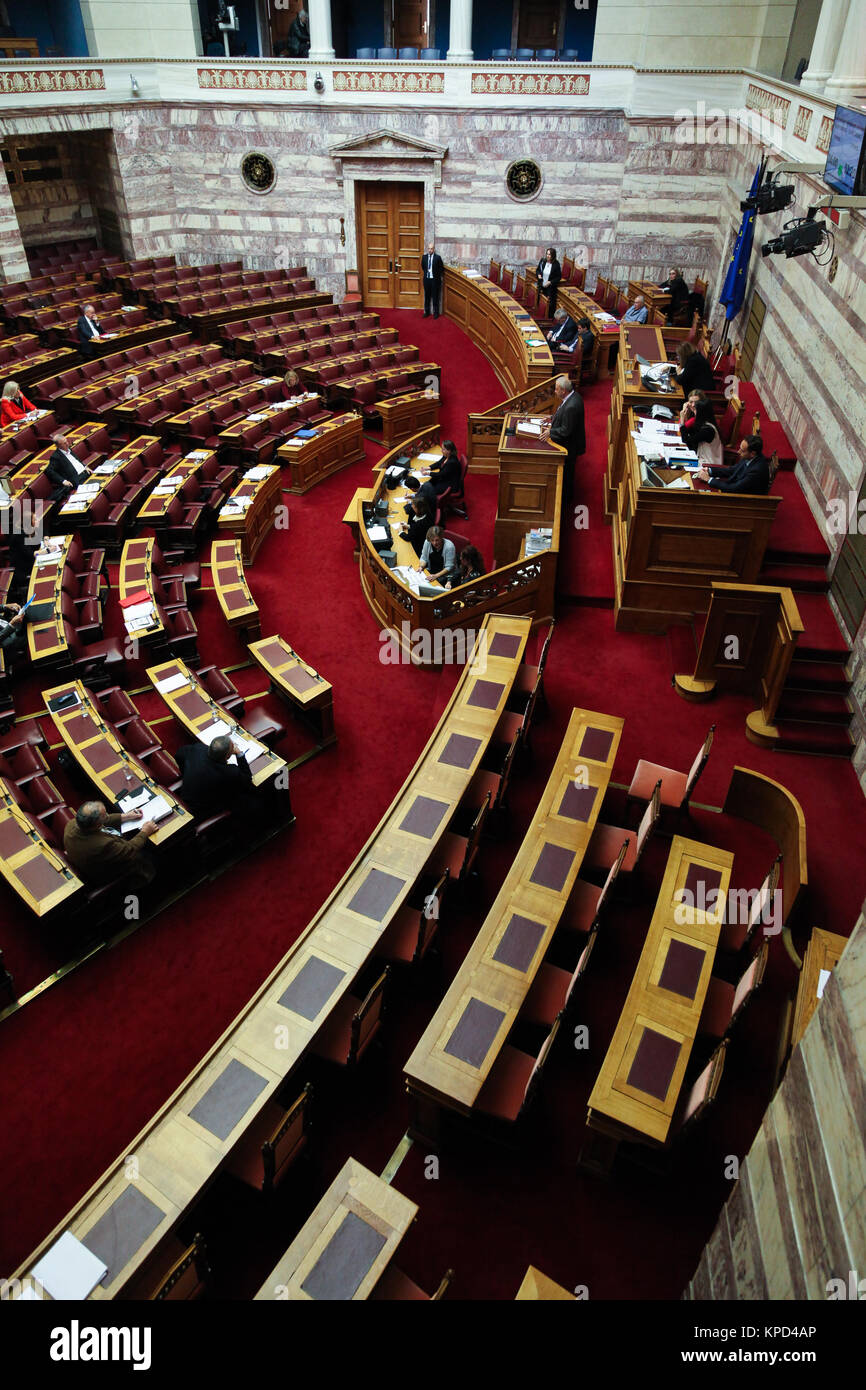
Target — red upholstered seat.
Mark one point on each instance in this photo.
(505, 1088)
(581, 909)
(605, 845)
(724, 1002)
(396, 1286)
(738, 933)
(647, 774)
(547, 994)
(262, 726)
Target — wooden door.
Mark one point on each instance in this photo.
(280, 17)
(390, 221)
(538, 24)
(410, 24)
(751, 337)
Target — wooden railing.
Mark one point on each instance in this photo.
(483, 430)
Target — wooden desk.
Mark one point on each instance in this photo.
(530, 487)
(179, 1151)
(259, 496)
(822, 953)
(337, 443)
(33, 870)
(255, 439)
(307, 693)
(230, 585)
(155, 509)
(655, 298)
(637, 1090)
(495, 323)
(767, 804)
(536, 1287)
(669, 545)
(195, 710)
(38, 463)
(14, 47)
(99, 753)
(578, 304)
(430, 629)
(403, 416)
(46, 641)
(136, 572)
(347, 1244)
(497, 972)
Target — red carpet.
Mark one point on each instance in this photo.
(88, 1063)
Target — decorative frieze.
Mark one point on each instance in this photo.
(803, 123)
(526, 84)
(369, 80)
(770, 104)
(823, 141)
(254, 79)
(13, 81)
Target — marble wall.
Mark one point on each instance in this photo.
(700, 33)
(795, 1219)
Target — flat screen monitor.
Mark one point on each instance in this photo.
(845, 170)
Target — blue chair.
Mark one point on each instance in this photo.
(431, 55)
(569, 55)
(525, 55)
(387, 53)
(408, 55)
(500, 55)
(546, 55)
(365, 53)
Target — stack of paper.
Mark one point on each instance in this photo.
(212, 731)
(473, 274)
(254, 474)
(525, 427)
(257, 417)
(138, 616)
(198, 454)
(170, 683)
(166, 486)
(429, 458)
(68, 1270)
(110, 466)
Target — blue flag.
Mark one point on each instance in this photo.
(734, 289)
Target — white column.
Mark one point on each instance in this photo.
(825, 47)
(321, 42)
(460, 36)
(849, 72)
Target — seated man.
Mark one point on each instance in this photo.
(98, 854)
(438, 556)
(751, 474)
(564, 336)
(212, 784)
(12, 637)
(89, 328)
(637, 312)
(64, 470)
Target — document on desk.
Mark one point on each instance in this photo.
(377, 533)
(198, 454)
(429, 458)
(526, 428)
(138, 610)
(170, 683)
(169, 485)
(255, 474)
(68, 1270)
(109, 466)
(212, 731)
(257, 417)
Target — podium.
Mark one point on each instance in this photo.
(530, 483)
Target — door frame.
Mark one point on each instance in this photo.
(360, 231)
(515, 25)
(389, 25)
(383, 156)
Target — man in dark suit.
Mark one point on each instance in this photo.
(89, 328)
(212, 784)
(431, 275)
(64, 470)
(565, 334)
(99, 856)
(566, 425)
(751, 474)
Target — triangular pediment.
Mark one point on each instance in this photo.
(387, 144)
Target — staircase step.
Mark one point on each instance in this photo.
(821, 638)
(808, 578)
(778, 555)
(817, 675)
(825, 740)
(806, 706)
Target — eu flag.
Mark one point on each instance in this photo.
(734, 289)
